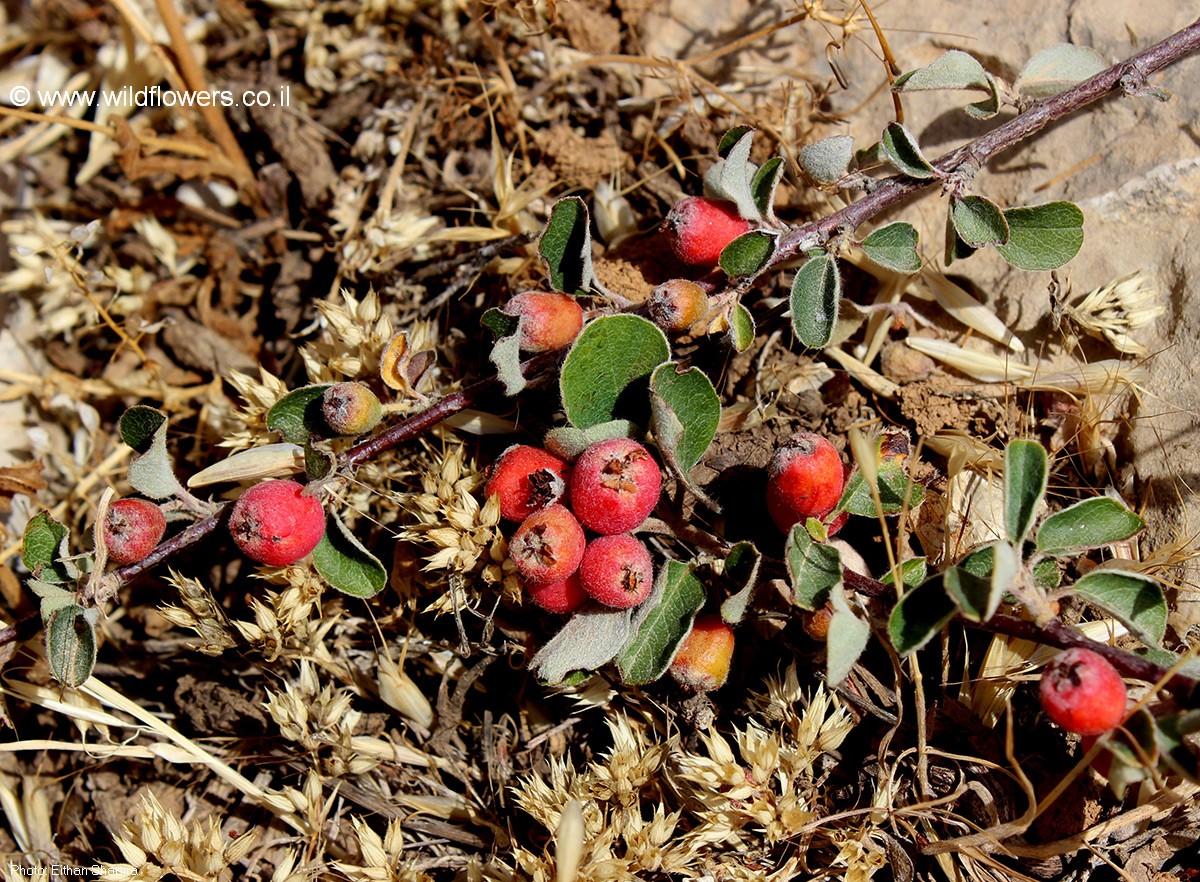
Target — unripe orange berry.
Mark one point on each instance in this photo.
(678, 304)
(351, 408)
(551, 320)
(705, 656)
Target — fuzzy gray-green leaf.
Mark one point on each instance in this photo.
(826, 161)
(71, 644)
(816, 294)
(299, 414)
(345, 564)
(1057, 69)
(1026, 473)
(814, 568)
(748, 253)
(610, 354)
(1089, 524)
(901, 150)
(663, 626)
(919, 615)
(1134, 599)
(1042, 237)
(566, 246)
(894, 247)
(978, 221)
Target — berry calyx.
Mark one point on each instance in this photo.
(804, 480)
(527, 479)
(551, 320)
(700, 228)
(351, 408)
(132, 529)
(548, 546)
(1082, 692)
(276, 524)
(617, 571)
(614, 486)
(558, 597)
(705, 656)
(677, 304)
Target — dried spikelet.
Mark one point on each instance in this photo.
(200, 613)
(400, 693)
(380, 858)
(983, 366)
(156, 843)
(354, 334)
(965, 308)
(1111, 311)
(465, 535)
(247, 426)
(322, 720)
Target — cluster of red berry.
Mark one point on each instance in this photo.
(610, 490)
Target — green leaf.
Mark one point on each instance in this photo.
(1057, 69)
(901, 150)
(1046, 574)
(919, 615)
(1026, 471)
(912, 572)
(741, 569)
(748, 253)
(846, 640)
(1133, 599)
(1092, 523)
(763, 186)
(893, 488)
(500, 323)
(566, 246)
(1042, 237)
(731, 138)
(345, 564)
(827, 161)
(978, 221)
(568, 441)
(648, 654)
(138, 426)
(894, 247)
(731, 176)
(953, 70)
(989, 106)
(956, 248)
(317, 463)
(506, 359)
(152, 473)
(741, 327)
(71, 643)
(299, 414)
(610, 355)
(685, 414)
(816, 294)
(969, 593)
(43, 546)
(1171, 738)
(590, 639)
(813, 568)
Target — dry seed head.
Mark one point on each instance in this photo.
(1111, 311)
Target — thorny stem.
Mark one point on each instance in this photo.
(1129, 76)
(1053, 633)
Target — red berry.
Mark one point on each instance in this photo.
(351, 408)
(678, 304)
(548, 546)
(614, 486)
(552, 320)
(804, 480)
(132, 528)
(274, 523)
(527, 478)
(703, 660)
(1082, 692)
(617, 571)
(700, 228)
(558, 597)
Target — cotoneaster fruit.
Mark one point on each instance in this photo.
(615, 485)
(804, 480)
(551, 320)
(705, 656)
(1082, 692)
(276, 524)
(700, 228)
(617, 571)
(548, 546)
(526, 479)
(132, 529)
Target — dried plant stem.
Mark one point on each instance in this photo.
(1129, 76)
